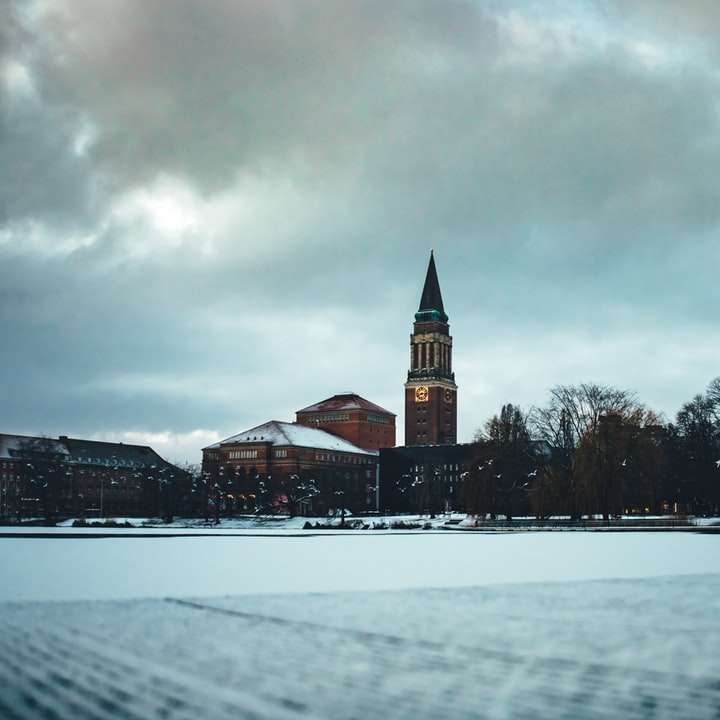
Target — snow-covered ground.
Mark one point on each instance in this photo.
(599, 650)
(123, 567)
(279, 523)
(588, 626)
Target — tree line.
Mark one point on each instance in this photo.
(596, 450)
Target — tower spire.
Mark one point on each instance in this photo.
(430, 390)
(431, 302)
(431, 296)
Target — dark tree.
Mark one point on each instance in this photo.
(505, 476)
(571, 425)
(265, 493)
(298, 489)
(696, 435)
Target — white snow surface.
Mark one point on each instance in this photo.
(120, 567)
(280, 434)
(636, 649)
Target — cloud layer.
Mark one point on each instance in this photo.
(212, 214)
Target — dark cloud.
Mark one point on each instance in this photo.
(212, 213)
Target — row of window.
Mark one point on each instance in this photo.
(331, 417)
(283, 453)
(431, 355)
(442, 478)
(90, 473)
(446, 466)
(81, 460)
(349, 459)
(243, 454)
(375, 418)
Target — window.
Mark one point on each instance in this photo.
(329, 417)
(242, 454)
(280, 453)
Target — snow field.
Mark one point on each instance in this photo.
(125, 568)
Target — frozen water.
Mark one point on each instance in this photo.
(454, 625)
(123, 567)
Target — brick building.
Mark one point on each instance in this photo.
(69, 477)
(430, 390)
(289, 467)
(352, 417)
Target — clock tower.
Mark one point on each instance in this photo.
(430, 390)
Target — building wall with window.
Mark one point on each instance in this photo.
(352, 417)
(69, 477)
(274, 459)
(425, 478)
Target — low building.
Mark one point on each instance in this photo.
(289, 467)
(424, 478)
(25, 465)
(66, 477)
(352, 417)
(465, 477)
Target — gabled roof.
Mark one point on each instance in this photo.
(431, 296)
(284, 434)
(345, 401)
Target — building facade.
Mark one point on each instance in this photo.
(290, 468)
(425, 478)
(352, 417)
(430, 390)
(69, 477)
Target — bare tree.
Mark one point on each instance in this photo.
(713, 397)
(298, 490)
(572, 421)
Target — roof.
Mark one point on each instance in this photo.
(345, 401)
(431, 296)
(13, 446)
(285, 434)
(72, 450)
(112, 453)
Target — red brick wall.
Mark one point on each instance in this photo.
(357, 429)
(352, 473)
(433, 422)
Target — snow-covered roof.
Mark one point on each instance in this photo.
(286, 434)
(345, 401)
(13, 446)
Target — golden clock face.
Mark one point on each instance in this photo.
(448, 395)
(421, 394)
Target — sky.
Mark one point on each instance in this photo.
(215, 213)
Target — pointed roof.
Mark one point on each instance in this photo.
(431, 296)
(431, 299)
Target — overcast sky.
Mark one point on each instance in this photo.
(215, 213)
